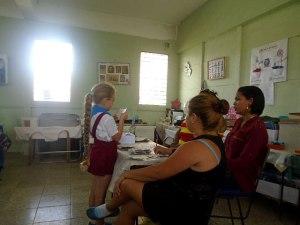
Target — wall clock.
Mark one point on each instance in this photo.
(188, 69)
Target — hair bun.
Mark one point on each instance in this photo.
(224, 106)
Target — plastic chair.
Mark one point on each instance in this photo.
(231, 193)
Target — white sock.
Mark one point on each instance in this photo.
(102, 211)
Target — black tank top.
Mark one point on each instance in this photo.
(202, 184)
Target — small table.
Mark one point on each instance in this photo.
(51, 133)
(126, 160)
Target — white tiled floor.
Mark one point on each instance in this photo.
(44, 194)
(57, 194)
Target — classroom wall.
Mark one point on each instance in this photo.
(16, 98)
(230, 29)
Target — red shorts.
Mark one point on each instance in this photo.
(102, 158)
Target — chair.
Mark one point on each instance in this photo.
(157, 138)
(171, 138)
(231, 193)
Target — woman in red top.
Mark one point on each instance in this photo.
(246, 144)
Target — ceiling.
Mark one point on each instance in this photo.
(157, 19)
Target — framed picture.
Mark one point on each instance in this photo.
(3, 69)
(102, 69)
(115, 73)
(216, 68)
(101, 78)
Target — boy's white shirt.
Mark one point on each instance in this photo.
(106, 128)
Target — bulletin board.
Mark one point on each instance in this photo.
(115, 73)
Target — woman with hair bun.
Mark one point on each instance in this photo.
(181, 189)
(186, 135)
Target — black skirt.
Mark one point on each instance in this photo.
(168, 204)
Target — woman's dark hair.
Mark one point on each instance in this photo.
(210, 110)
(258, 104)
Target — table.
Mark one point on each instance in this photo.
(126, 160)
(51, 133)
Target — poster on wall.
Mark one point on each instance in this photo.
(115, 73)
(216, 68)
(267, 87)
(269, 60)
(3, 69)
(268, 90)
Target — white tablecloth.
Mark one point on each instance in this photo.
(125, 160)
(47, 133)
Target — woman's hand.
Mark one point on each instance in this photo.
(163, 150)
(117, 187)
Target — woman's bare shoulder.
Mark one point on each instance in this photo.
(190, 146)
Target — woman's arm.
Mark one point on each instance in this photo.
(159, 149)
(183, 158)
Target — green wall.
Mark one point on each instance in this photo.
(283, 23)
(190, 86)
(16, 98)
(230, 29)
(220, 28)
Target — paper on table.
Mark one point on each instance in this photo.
(138, 157)
(139, 151)
(141, 139)
(280, 163)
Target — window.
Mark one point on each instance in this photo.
(52, 68)
(153, 79)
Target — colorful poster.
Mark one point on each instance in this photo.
(269, 60)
